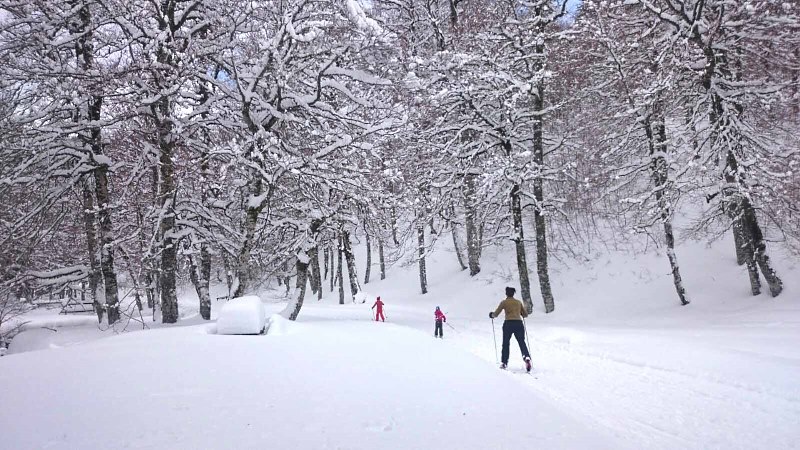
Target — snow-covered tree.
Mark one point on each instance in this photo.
(60, 62)
(725, 44)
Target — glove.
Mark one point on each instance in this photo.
(491, 315)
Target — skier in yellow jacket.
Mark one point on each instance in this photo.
(515, 312)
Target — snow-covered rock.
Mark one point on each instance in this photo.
(242, 315)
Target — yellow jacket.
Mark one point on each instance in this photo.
(514, 309)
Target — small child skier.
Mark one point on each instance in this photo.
(379, 312)
(438, 315)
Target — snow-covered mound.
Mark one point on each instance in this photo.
(242, 315)
(352, 384)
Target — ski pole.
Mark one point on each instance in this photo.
(525, 325)
(494, 335)
(454, 328)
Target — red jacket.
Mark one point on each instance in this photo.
(379, 304)
(439, 315)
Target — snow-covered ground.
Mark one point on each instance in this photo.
(324, 383)
(619, 365)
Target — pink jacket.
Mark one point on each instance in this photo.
(439, 315)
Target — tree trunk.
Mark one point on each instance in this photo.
(339, 274)
(381, 258)
(91, 245)
(228, 274)
(105, 236)
(538, 210)
(351, 265)
(423, 272)
(657, 135)
(473, 239)
(200, 274)
(102, 238)
(752, 271)
(300, 293)
(169, 266)
(106, 229)
(169, 250)
(312, 277)
(325, 261)
(285, 275)
(150, 289)
(333, 265)
(737, 206)
(316, 276)
(756, 242)
(456, 245)
(204, 273)
(243, 260)
(148, 262)
(369, 255)
(541, 251)
(394, 226)
(519, 241)
(673, 263)
(304, 253)
(739, 242)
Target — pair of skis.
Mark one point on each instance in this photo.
(528, 366)
(519, 372)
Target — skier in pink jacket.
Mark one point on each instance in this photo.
(379, 312)
(439, 316)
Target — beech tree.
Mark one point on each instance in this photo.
(728, 43)
(635, 81)
(52, 64)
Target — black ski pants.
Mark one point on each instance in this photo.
(438, 330)
(516, 328)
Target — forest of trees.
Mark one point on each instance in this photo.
(149, 144)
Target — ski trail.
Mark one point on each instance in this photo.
(643, 397)
(664, 408)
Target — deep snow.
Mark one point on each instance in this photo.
(619, 365)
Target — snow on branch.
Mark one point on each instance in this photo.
(361, 20)
(58, 277)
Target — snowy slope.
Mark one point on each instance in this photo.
(351, 384)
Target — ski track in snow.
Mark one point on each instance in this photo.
(641, 403)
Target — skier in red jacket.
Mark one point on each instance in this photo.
(439, 316)
(379, 312)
